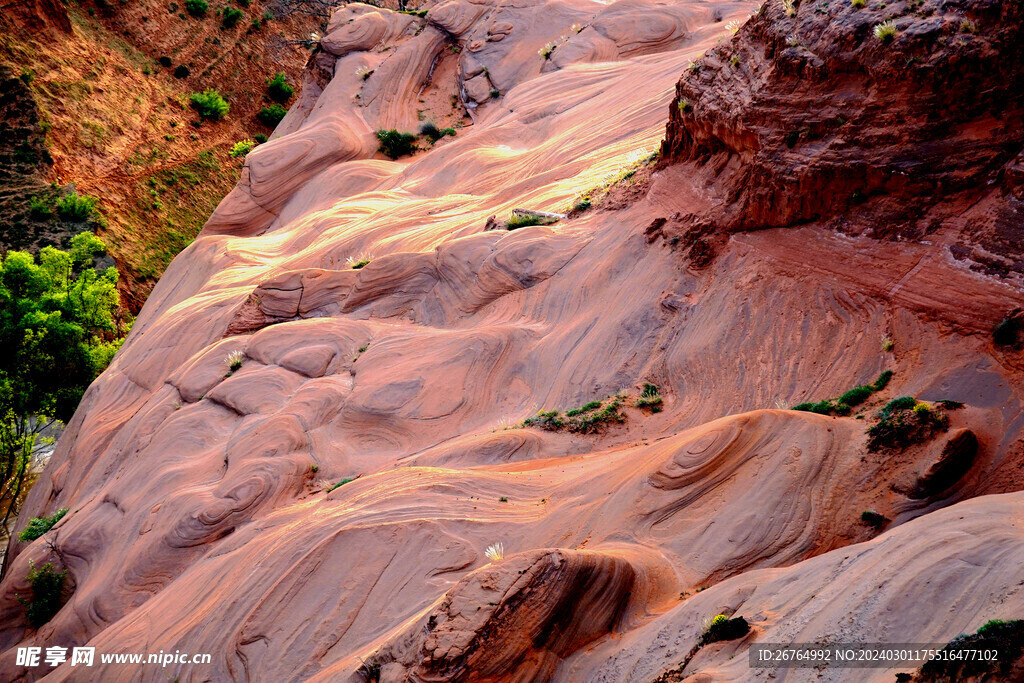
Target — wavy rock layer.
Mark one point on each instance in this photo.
(200, 517)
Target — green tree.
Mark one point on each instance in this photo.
(57, 332)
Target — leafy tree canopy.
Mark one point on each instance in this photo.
(57, 332)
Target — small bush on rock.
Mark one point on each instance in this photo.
(47, 585)
(904, 422)
(885, 32)
(957, 664)
(723, 628)
(242, 147)
(394, 144)
(37, 526)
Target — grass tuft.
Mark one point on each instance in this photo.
(885, 32)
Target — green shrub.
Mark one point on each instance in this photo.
(229, 17)
(360, 263)
(77, 208)
(210, 105)
(430, 130)
(650, 398)
(900, 403)
(585, 408)
(825, 407)
(47, 586)
(992, 626)
(859, 4)
(181, 71)
(197, 8)
(872, 519)
(279, 89)
(260, 138)
(958, 664)
(242, 147)
(340, 483)
(394, 144)
(903, 422)
(549, 420)
(165, 61)
(1005, 333)
(722, 628)
(856, 396)
(595, 420)
(37, 526)
(39, 207)
(272, 115)
(883, 380)
(589, 418)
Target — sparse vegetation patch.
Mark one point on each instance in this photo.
(873, 519)
(37, 526)
(77, 207)
(593, 416)
(724, 628)
(394, 144)
(650, 398)
(903, 422)
(957, 664)
(429, 130)
(47, 585)
(844, 404)
(340, 483)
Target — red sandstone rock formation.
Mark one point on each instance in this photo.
(321, 511)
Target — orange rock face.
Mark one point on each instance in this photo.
(827, 117)
(296, 465)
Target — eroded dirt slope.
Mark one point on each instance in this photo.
(201, 518)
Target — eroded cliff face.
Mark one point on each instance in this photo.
(205, 511)
(807, 115)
